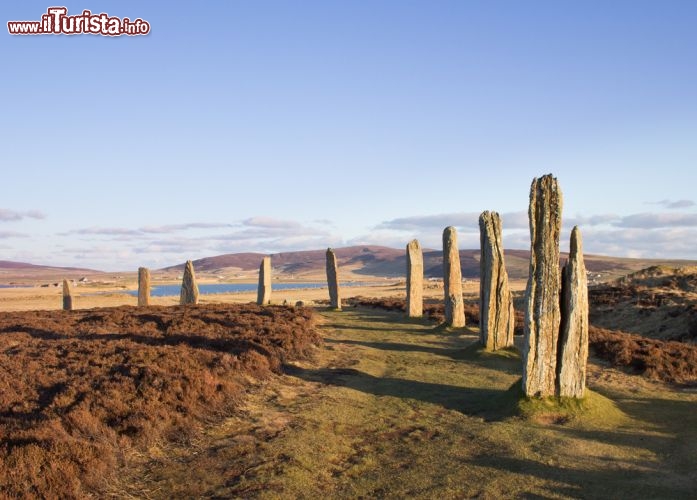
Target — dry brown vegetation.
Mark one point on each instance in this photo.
(79, 390)
(669, 361)
(658, 302)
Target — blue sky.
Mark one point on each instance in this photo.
(272, 126)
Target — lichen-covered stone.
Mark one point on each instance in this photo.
(542, 314)
(333, 280)
(415, 280)
(496, 316)
(572, 354)
(452, 280)
(143, 286)
(189, 291)
(264, 288)
(67, 296)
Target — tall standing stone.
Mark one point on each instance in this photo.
(264, 288)
(143, 286)
(542, 315)
(333, 280)
(67, 296)
(496, 317)
(452, 280)
(189, 291)
(415, 280)
(573, 335)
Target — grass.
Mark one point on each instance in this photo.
(396, 409)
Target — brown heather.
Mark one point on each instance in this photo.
(79, 390)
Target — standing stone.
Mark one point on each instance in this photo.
(452, 279)
(143, 286)
(496, 317)
(542, 315)
(333, 280)
(189, 291)
(573, 335)
(415, 280)
(67, 296)
(264, 288)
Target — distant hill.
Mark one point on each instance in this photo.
(24, 273)
(379, 261)
(18, 266)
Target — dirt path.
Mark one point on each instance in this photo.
(404, 410)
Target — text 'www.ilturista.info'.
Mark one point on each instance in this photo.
(56, 21)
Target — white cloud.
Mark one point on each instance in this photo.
(106, 231)
(662, 243)
(7, 215)
(658, 220)
(673, 203)
(468, 220)
(12, 234)
(270, 222)
(591, 220)
(170, 228)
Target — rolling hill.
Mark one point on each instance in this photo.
(23, 272)
(379, 261)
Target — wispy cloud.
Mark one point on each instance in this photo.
(512, 220)
(7, 215)
(469, 221)
(173, 246)
(170, 243)
(644, 243)
(270, 222)
(104, 231)
(145, 230)
(171, 228)
(592, 220)
(657, 220)
(673, 203)
(12, 234)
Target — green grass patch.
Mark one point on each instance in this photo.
(593, 410)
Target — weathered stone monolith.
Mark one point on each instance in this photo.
(496, 317)
(572, 353)
(264, 288)
(189, 291)
(143, 286)
(67, 296)
(542, 315)
(415, 280)
(452, 280)
(333, 280)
